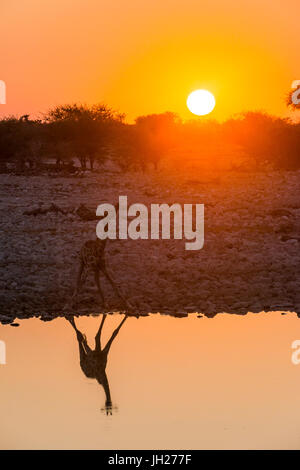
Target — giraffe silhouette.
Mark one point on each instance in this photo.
(93, 361)
(92, 257)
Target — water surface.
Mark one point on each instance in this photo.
(177, 383)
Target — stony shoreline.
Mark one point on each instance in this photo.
(249, 263)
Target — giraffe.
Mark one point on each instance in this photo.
(92, 257)
(93, 362)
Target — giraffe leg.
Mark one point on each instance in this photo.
(109, 342)
(79, 335)
(107, 275)
(98, 335)
(78, 281)
(68, 306)
(97, 281)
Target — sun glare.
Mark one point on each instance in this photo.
(201, 102)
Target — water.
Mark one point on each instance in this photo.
(177, 383)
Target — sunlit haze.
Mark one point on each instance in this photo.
(147, 57)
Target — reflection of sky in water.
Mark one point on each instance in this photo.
(226, 382)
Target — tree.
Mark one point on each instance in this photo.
(87, 129)
(155, 133)
(129, 148)
(20, 140)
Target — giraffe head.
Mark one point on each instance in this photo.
(108, 408)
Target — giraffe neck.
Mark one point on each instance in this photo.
(105, 385)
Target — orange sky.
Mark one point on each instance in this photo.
(142, 56)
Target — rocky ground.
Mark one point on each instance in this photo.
(249, 262)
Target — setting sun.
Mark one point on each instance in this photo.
(201, 102)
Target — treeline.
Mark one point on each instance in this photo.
(73, 136)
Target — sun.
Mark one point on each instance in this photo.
(201, 102)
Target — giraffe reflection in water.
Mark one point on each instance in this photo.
(93, 361)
